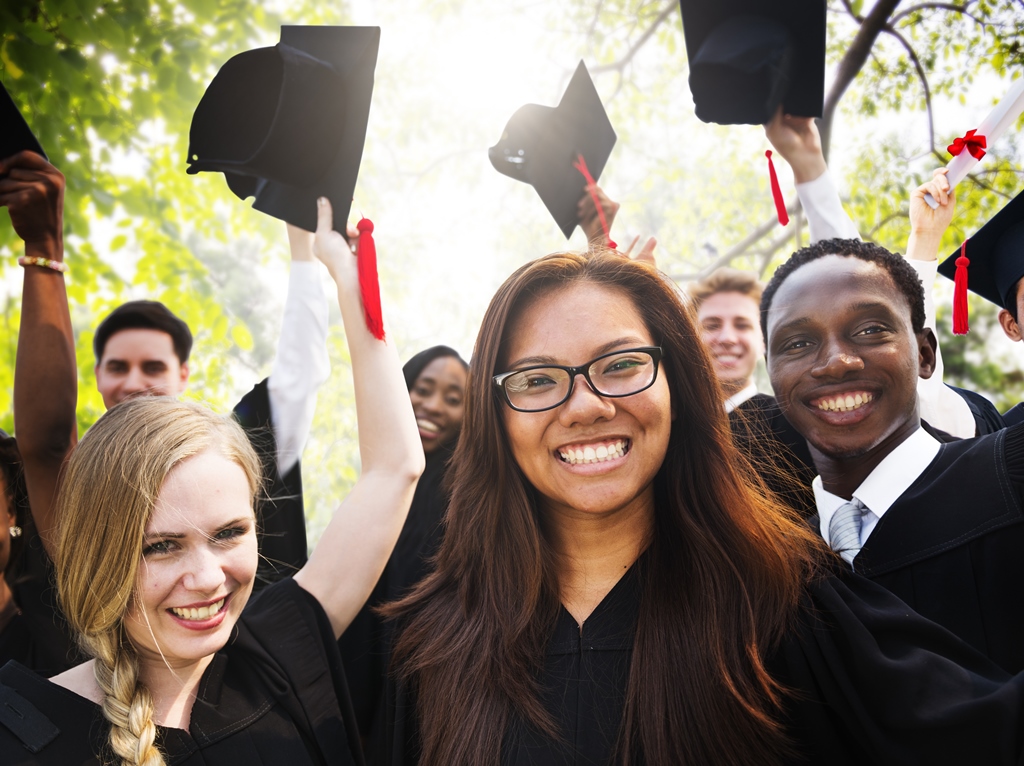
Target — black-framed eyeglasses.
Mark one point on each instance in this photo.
(613, 375)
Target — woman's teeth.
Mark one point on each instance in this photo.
(426, 425)
(592, 454)
(845, 403)
(202, 613)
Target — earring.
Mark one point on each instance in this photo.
(15, 531)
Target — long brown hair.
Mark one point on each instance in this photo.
(106, 499)
(722, 577)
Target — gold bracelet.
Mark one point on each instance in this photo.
(46, 263)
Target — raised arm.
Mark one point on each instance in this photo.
(590, 219)
(797, 140)
(301, 364)
(590, 222)
(45, 375)
(941, 406)
(356, 544)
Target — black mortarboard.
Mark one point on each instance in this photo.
(748, 56)
(287, 124)
(541, 144)
(996, 255)
(15, 135)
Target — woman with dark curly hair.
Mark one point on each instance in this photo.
(613, 588)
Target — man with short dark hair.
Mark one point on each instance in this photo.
(938, 522)
(141, 347)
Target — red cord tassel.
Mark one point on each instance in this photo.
(369, 288)
(960, 292)
(581, 165)
(780, 204)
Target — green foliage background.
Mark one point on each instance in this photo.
(109, 88)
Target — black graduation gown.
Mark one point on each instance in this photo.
(39, 637)
(275, 695)
(872, 682)
(282, 520)
(952, 546)
(365, 643)
(776, 451)
(987, 419)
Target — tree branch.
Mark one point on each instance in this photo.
(743, 246)
(961, 9)
(924, 82)
(849, 9)
(622, 63)
(851, 64)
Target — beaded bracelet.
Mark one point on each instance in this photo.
(46, 263)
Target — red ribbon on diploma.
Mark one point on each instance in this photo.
(975, 145)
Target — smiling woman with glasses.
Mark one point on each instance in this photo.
(616, 587)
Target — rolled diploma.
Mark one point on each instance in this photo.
(992, 127)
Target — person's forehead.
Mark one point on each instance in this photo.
(446, 370)
(823, 287)
(728, 304)
(139, 343)
(576, 322)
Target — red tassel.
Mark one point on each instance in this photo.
(780, 204)
(366, 253)
(960, 292)
(581, 165)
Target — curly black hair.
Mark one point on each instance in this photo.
(903, 274)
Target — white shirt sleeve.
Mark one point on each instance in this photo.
(941, 406)
(826, 216)
(301, 364)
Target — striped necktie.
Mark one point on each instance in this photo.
(844, 529)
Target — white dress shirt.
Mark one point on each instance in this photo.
(883, 486)
(739, 397)
(301, 364)
(826, 216)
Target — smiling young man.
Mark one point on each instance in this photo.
(939, 523)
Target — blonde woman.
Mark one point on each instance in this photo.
(156, 561)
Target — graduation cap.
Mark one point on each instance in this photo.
(15, 135)
(287, 124)
(993, 262)
(541, 146)
(748, 56)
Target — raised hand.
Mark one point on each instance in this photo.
(32, 190)
(927, 225)
(590, 219)
(798, 141)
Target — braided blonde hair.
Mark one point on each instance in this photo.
(105, 502)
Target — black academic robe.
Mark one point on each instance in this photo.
(776, 451)
(365, 644)
(952, 546)
(39, 637)
(987, 419)
(870, 680)
(279, 510)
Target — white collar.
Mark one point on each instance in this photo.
(739, 397)
(884, 485)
